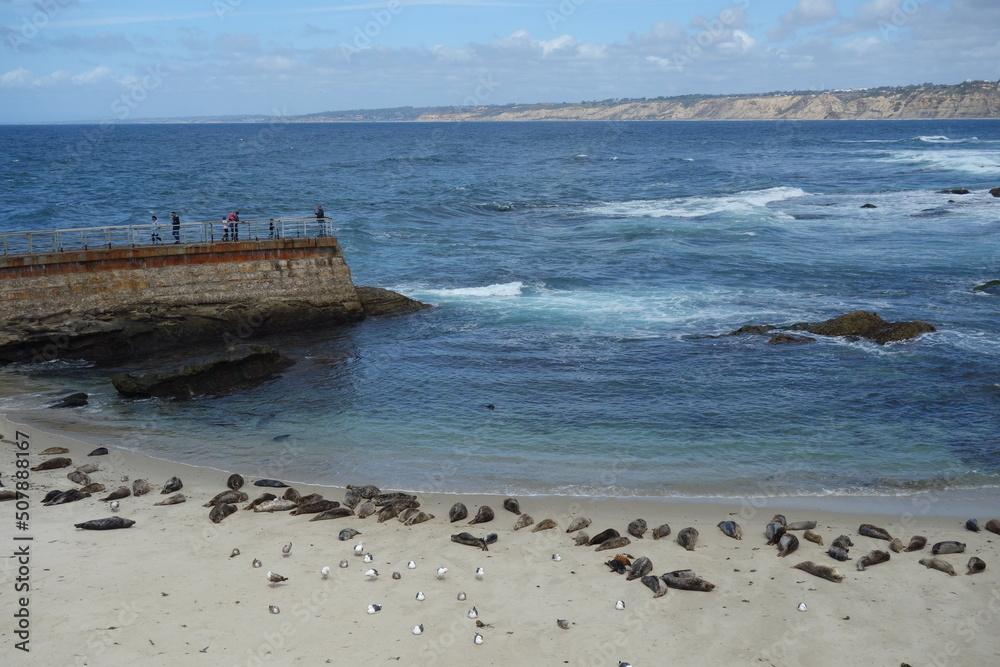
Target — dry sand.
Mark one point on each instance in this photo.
(167, 592)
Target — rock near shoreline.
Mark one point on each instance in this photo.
(856, 324)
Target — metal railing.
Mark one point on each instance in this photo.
(163, 233)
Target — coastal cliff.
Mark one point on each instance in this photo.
(976, 99)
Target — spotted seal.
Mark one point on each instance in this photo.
(581, 539)
(315, 507)
(731, 529)
(88, 468)
(458, 512)
(896, 545)
(53, 464)
(276, 505)
(346, 534)
(663, 530)
(52, 451)
(614, 543)
(228, 498)
(772, 529)
(335, 513)
(175, 499)
(579, 523)
(800, 525)
(827, 572)
(640, 568)
(637, 528)
(948, 547)
(368, 491)
(787, 544)
(93, 487)
(109, 523)
(291, 493)
(263, 498)
(838, 553)
(523, 521)
(511, 505)
(843, 542)
(419, 517)
(352, 498)
(917, 542)
(366, 510)
(973, 525)
(976, 565)
(220, 512)
(602, 537)
(471, 540)
(938, 564)
(77, 477)
(544, 524)
(815, 538)
(484, 515)
(173, 485)
(686, 580)
(140, 487)
(392, 498)
(687, 538)
(235, 481)
(654, 584)
(872, 558)
(64, 497)
(868, 530)
(120, 492)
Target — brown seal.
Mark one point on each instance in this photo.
(993, 525)
(52, 451)
(938, 564)
(602, 536)
(868, 530)
(640, 568)
(579, 523)
(544, 524)
(827, 572)
(120, 492)
(523, 521)
(458, 512)
(235, 481)
(976, 565)
(352, 498)
(220, 512)
(663, 530)
(800, 525)
(227, 498)
(315, 507)
(686, 580)
(140, 487)
(173, 484)
(366, 510)
(419, 517)
(70, 496)
(787, 544)
(872, 558)
(948, 547)
(896, 545)
(291, 493)
(581, 539)
(687, 538)
(335, 513)
(917, 542)
(614, 543)
(93, 487)
(637, 528)
(813, 537)
(471, 540)
(484, 515)
(264, 497)
(367, 491)
(53, 464)
(511, 505)
(88, 468)
(173, 500)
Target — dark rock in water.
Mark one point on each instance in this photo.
(863, 324)
(789, 339)
(956, 191)
(270, 482)
(281, 438)
(991, 286)
(377, 301)
(76, 400)
(100, 451)
(995, 192)
(748, 329)
(240, 366)
(869, 206)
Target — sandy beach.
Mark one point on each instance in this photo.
(168, 590)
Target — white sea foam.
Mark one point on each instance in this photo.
(944, 140)
(495, 290)
(695, 207)
(970, 161)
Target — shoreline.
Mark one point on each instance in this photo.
(167, 589)
(934, 502)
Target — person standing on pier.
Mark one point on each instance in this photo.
(225, 228)
(176, 220)
(234, 223)
(321, 219)
(154, 228)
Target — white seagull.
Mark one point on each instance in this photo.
(371, 574)
(368, 558)
(473, 613)
(325, 571)
(411, 565)
(620, 605)
(418, 629)
(374, 608)
(478, 639)
(343, 563)
(256, 563)
(235, 553)
(461, 596)
(359, 548)
(479, 573)
(441, 571)
(420, 596)
(556, 557)
(273, 609)
(114, 505)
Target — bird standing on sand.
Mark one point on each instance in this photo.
(275, 578)
(620, 605)
(420, 596)
(478, 639)
(411, 565)
(256, 563)
(286, 550)
(368, 558)
(473, 613)
(235, 553)
(461, 596)
(343, 563)
(479, 573)
(374, 608)
(418, 629)
(114, 504)
(359, 548)
(371, 574)
(441, 571)
(325, 571)
(273, 609)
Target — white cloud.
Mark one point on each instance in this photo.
(804, 14)
(15, 78)
(95, 75)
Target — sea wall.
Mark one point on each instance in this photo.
(116, 279)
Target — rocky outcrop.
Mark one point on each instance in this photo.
(989, 286)
(856, 324)
(995, 192)
(239, 367)
(379, 301)
(75, 400)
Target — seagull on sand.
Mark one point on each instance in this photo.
(286, 550)
(325, 571)
(478, 639)
(235, 553)
(256, 563)
(620, 605)
(371, 574)
(441, 571)
(461, 596)
(275, 578)
(273, 609)
(418, 629)
(368, 558)
(374, 608)
(479, 573)
(473, 613)
(420, 596)
(411, 565)
(113, 505)
(359, 548)
(343, 563)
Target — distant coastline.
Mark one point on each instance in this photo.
(966, 100)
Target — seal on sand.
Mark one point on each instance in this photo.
(838, 553)
(800, 525)
(366, 510)
(335, 513)
(869, 530)
(140, 487)
(843, 542)
(273, 483)
(827, 572)
(471, 540)
(896, 545)
(637, 528)
(51, 451)
(110, 523)
(581, 539)
(77, 477)
(93, 487)
(787, 544)
(120, 492)
(938, 564)
(100, 451)
(948, 547)
(687, 538)
(264, 497)
(544, 524)
(316, 507)
(346, 534)
(352, 498)
(63, 497)
(511, 505)
(993, 525)
(175, 499)
(220, 512)
(53, 464)
(917, 542)
(663, 530)
(458, 512)
(173, 484)
(523, 521)
(640, 568)
(976, 565)
(654, 584)
(614, 543)
(602, 537)
(872, 558)
(732, 529)
(686, 580)
(227, 497)
(579, 523)
(235, 481)
(813, 537)
(484, 514)
(276, 505)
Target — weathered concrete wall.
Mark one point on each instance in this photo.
(309, 269)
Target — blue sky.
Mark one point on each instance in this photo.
(65, 60)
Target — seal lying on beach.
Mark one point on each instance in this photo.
(175, 499)
(418, 517)
(993, 525)
(88, 468)
(53, 464)
(976, 565)
(779, 518)
(52, 451)
(868, 530)
(637, 528)
(235, 481)
(686, 580)
(93, 487)
(917, 542)
(581, 539)
(315, 507)
(938, 564)
(787, 544)
(393, 510)
(120, 492)
(227, 497)
(484, 515)
(731, 529)
(813, 537)
(654, 584)
(844, 542)
(346, 534)
(77, 477)
(471, 540)
(272, 483)
(838, 553)
(291, 493)
(7, 494)
(264, 497)
(640, 568)
(63, 497)
(100, 451)
(335, 513)
(827, 572)
(663, 530)
(352, 498)
(777, 532)
(220, 512)
(366, 510)
(523, 521)
(896, 545)
(872, 558)
(110, 523)
(948, 547)
(511, 505)
(383, 499)
(368, 491)
(276, 505)
(140, 487)
(973, 525)
(602, 537)
(579, 523)
(614, 543)
(458, 512)
(800, 525)
(687, 538)
(173, 484)
(544, 524)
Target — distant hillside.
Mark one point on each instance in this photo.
(972, 99)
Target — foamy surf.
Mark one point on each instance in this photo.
(696, 207)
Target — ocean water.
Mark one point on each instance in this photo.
(577, 271)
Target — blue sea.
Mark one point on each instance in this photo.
(577, 273)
